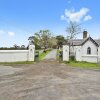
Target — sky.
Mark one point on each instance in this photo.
(20, 19)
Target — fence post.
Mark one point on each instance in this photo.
(31, 52)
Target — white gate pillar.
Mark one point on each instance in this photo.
(65, 53)
(98, 58)
(31, 53)
(99, 51)
(78, 55)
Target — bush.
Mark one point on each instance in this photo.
(45, 50)
(66, 62)
(60, 54)
(36, 54)
(37, 47)
(13, 48)
(72, 58)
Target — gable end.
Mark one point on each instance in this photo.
(93, 41)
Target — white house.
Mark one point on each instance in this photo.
(86, 49)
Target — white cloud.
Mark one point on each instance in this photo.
(71, 15)
(11, 33)
(63, 17)
(2, 32)
(88, 17)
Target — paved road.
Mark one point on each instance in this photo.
(51, 55)
(49, 80)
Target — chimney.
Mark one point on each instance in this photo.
(85, 34)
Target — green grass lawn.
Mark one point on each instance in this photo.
(12, 63)
(83, 65)
(59, 57)
(42, 55)
(58, 54)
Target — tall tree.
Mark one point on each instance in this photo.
(23, 46)
(60, 40)
(73, 29)
(31, 39)
(52, 42)
(41, 38)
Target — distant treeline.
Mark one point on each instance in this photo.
(12, 48)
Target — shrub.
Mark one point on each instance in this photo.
(72, 58)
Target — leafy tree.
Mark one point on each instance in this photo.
(52, 42)
(23, 46)
(60, 40)
(41, 38)
(16, 46)
(31, 39)
(34, 40)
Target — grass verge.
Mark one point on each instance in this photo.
(12, 63)
(59, 55)
(83, 65)
(43, 54)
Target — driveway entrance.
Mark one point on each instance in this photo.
(52, 55)
(50, 80)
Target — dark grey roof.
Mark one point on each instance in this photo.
(97, 41)
(78, 42)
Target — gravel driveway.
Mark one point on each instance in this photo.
(49, 80)
(51, 55)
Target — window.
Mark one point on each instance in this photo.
(89, 50)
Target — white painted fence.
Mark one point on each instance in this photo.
(17, 55)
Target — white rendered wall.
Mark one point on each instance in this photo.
(17, 55)
(90, 58)
(73, 49)
(65, 53)
(91, 45)
(13, 55)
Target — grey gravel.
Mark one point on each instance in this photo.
(6, 70)
(49, 80)
(52, 54)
